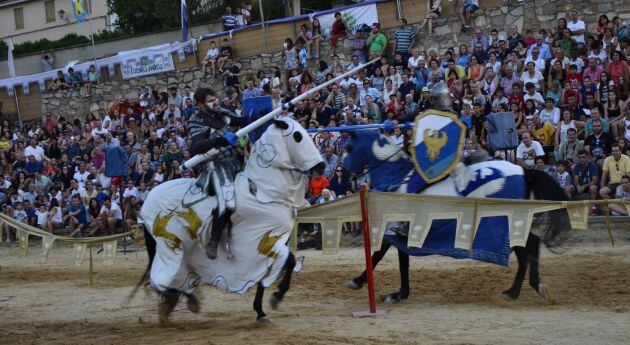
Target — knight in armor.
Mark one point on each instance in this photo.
(210, 129)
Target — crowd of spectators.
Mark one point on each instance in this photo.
(568, 88)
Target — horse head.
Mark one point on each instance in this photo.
(294, 148)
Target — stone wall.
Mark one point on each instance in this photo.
(532, 14)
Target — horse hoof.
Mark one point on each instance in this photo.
(264, 320)
(352, 285)
(542, 292)
(193, 304)
(507, 297)
(393, 298)
(274, 302)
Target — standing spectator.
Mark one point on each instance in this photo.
(615, 167)
(48, 61)
(528, 151)
(577, 27)
(228, 19)
(377, 41)
(338, 31)
(404, 39)
(231, 74)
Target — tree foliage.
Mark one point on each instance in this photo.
(140, 16)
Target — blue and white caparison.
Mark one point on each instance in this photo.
(392, 170)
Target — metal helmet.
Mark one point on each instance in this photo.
(440, 97)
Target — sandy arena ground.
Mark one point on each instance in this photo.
(452, 302)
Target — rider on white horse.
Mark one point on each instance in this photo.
(209, 128)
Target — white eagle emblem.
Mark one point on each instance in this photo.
(390, 151)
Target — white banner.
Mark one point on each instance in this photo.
(143, 64)
(355, 17)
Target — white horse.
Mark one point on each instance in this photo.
(268, 193)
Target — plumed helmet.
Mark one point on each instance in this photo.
(440, 97)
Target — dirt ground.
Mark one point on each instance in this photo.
(451, 302)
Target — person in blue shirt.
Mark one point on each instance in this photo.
(586, 175)
(32, 166)
(100, 195)
(30, 213)
(77, 217)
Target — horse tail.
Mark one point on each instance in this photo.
(544, 187)
(150, 244)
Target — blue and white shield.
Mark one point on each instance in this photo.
(438, 138)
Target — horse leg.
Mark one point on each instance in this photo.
(260, 314)
(513, 292)
(403, 293)
(285, 284)
(168, 301)
(357, 283)
(533, 252)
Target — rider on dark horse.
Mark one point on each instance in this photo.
(210, 129)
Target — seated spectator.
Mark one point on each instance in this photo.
(528, 150)
(225, 52)
(570, 147)
(599, 143)
(74, 79)
(433, 12)
(211, 58)
(466, 15)
(325, 197)
(615, 167)
(586, 176)
(338, 31)
(132, 211)
(92, 79)
(59, 83)
(623, 192)
(76, 218)
(109, 219)
(55, 217)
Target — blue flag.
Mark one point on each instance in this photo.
(185, 22)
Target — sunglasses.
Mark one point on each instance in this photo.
(339, 170)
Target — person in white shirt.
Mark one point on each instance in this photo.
(81, 175)
(550, 113)
(211, 59)
(34, 150)
(108, 219)
(538, 61)
(130, 190)
(534, 95)
(577, 27)
(527, 151)
(42, 216)
(98, 130)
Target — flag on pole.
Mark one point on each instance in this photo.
(79, 10)
(10, 59)
(185, 22)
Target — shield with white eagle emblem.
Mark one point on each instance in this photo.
(438, 138)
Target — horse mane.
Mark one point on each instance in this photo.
(544, 187)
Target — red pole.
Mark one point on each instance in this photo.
(367, 248)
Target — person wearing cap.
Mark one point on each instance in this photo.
(377, 41)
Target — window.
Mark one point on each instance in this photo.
(19, 18)
(50, 11)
